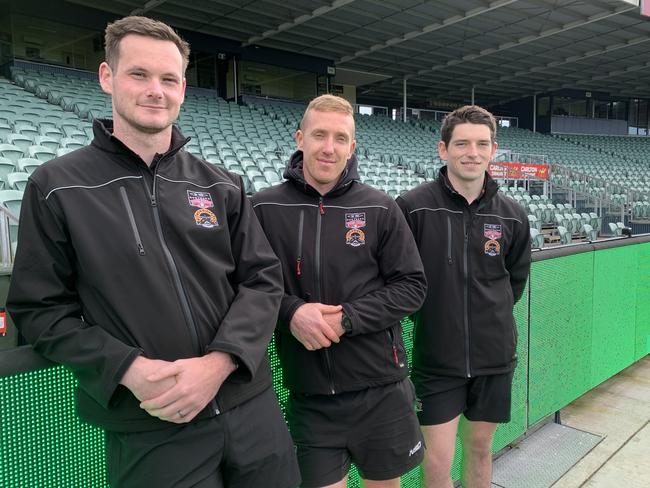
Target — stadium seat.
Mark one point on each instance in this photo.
(16, 181)
(565, 234)
(28, 165)
(9, 151)
(536, 239)
(12, 199)
(589, 232)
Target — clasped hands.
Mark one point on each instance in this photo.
(177, 391)
(317, 325)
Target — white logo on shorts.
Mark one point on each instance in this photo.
(416, 448)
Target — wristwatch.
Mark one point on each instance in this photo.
(346, 323)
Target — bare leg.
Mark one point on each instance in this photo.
(394, 483)
(339, 484)
(439, 454)
(477, 448)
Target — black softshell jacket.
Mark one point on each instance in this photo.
(477, 259)
(117, 259)
(350, 247)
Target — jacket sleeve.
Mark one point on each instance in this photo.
(405, 283)
(289, 303)
(45, 306)
(518, 258)
(246, 330)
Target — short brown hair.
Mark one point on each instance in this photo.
(472, 114)
(328, 103)
(141, 26)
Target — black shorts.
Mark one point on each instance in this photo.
(480, 399)
(246, 446)
(376, 429)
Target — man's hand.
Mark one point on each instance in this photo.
(334, 321)
(310, 328)
(197, 382)
(136, 378)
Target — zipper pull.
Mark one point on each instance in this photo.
(140, 249)
(298, 261)
(153, 200)
(320, 207)
(395, 355)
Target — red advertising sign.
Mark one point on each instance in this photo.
(519, 171)
(645, 7)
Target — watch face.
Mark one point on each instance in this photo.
(346, 323)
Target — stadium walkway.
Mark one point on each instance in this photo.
(618, 410)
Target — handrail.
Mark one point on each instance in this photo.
(6, 216)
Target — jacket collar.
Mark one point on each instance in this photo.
(490, 186)
(105, 140)
(294, 173)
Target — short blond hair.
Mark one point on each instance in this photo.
(328, 103)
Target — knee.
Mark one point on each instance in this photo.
(478, 448)
(437, 464)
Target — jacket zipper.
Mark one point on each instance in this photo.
(185, 305)
(391, 338)
(134, 227)
(449, 261)
(300, 229)
(328, 359)
(466, 293)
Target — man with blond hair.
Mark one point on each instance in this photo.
(475, 246)
(351, 272)
(162, 304)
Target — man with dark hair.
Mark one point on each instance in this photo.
(164, 303)
(475, 248)
(351, 272)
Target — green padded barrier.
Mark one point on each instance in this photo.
(614, 329)
(561, 308)
(42, 442)
(642, 342)
(518, 424)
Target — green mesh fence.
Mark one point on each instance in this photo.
(642, 339)
(561, 309)
(589, 318)
(614, 327)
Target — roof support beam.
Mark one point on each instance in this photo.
(570, 59)
(297, 21)
(150, 5)
(526, 39)
(426, 30)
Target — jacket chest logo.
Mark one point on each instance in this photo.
(203, 217)
(201, 199)
(492, 232)
(354, 221)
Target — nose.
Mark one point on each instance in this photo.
(472, 150)
(154, 89)
(328, 145)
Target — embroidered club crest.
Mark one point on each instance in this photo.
(201, 199)
(492, 231)
(205, 218)
(355, 238)
(355, 220)
(492, 248)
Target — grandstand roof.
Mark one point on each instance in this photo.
(507, 49)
